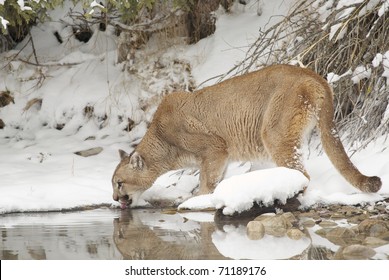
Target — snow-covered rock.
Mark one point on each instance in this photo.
(239, 193)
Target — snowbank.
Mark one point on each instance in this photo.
(39, 170)
(240, 192)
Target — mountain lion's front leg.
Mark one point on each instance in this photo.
(212, 170)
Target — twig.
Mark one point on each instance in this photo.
(210, 79)
(33, 47)
(16, 55)
(49, 64)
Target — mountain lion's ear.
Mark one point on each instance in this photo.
(123, 154)
(137, 161)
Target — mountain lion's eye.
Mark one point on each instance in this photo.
(120, 185)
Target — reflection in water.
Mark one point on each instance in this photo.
(71, 235)
(137, 234)
(269, 247)
(145, 235)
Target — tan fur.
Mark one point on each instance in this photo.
(260, 114)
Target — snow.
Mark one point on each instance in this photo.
(360, 73)
(377, 60)
(346, 3)
(4, 22)
(22, 6)
(346, 11)
(333, 78)
(234, 34)
(40, 172)
(334, 29)
(176, 186)
(383, 8)
(240, 192)
(385, 62)
(95, 4)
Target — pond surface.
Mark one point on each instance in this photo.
(143, 234)
(106, 234)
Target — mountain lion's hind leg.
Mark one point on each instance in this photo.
(283, 140)
(289, 156)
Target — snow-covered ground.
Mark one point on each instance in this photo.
(38, 168)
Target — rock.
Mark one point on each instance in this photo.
(337, 216)
(295, 234)
(309, 223)
(381, 208)
(2, 124)
(255, 230)
(264, 217)
(311, 214)
(350, 210)
(90, 152)
(355, 229)
(161, 203)
(275, 225)
(358, 252)
(341, 232)
(372, 209)
(325, 213)
(59, 126)
(374, 242)
(326, 224)
(322, 232)
(6, 98)
(341, 236)
(290, 217)
(357, 219)
(90, 138)
(373, 227)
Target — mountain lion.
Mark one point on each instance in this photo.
(265, 113)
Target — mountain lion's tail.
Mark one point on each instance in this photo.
(336, 152)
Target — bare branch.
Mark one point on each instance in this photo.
(339, 42)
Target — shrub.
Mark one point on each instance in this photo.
(344, 41)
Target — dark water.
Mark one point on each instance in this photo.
(145, 234)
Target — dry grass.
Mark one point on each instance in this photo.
(304, 37)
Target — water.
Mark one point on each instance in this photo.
(146, 234)
(106, 234)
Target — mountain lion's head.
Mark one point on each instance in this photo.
(130, 179)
